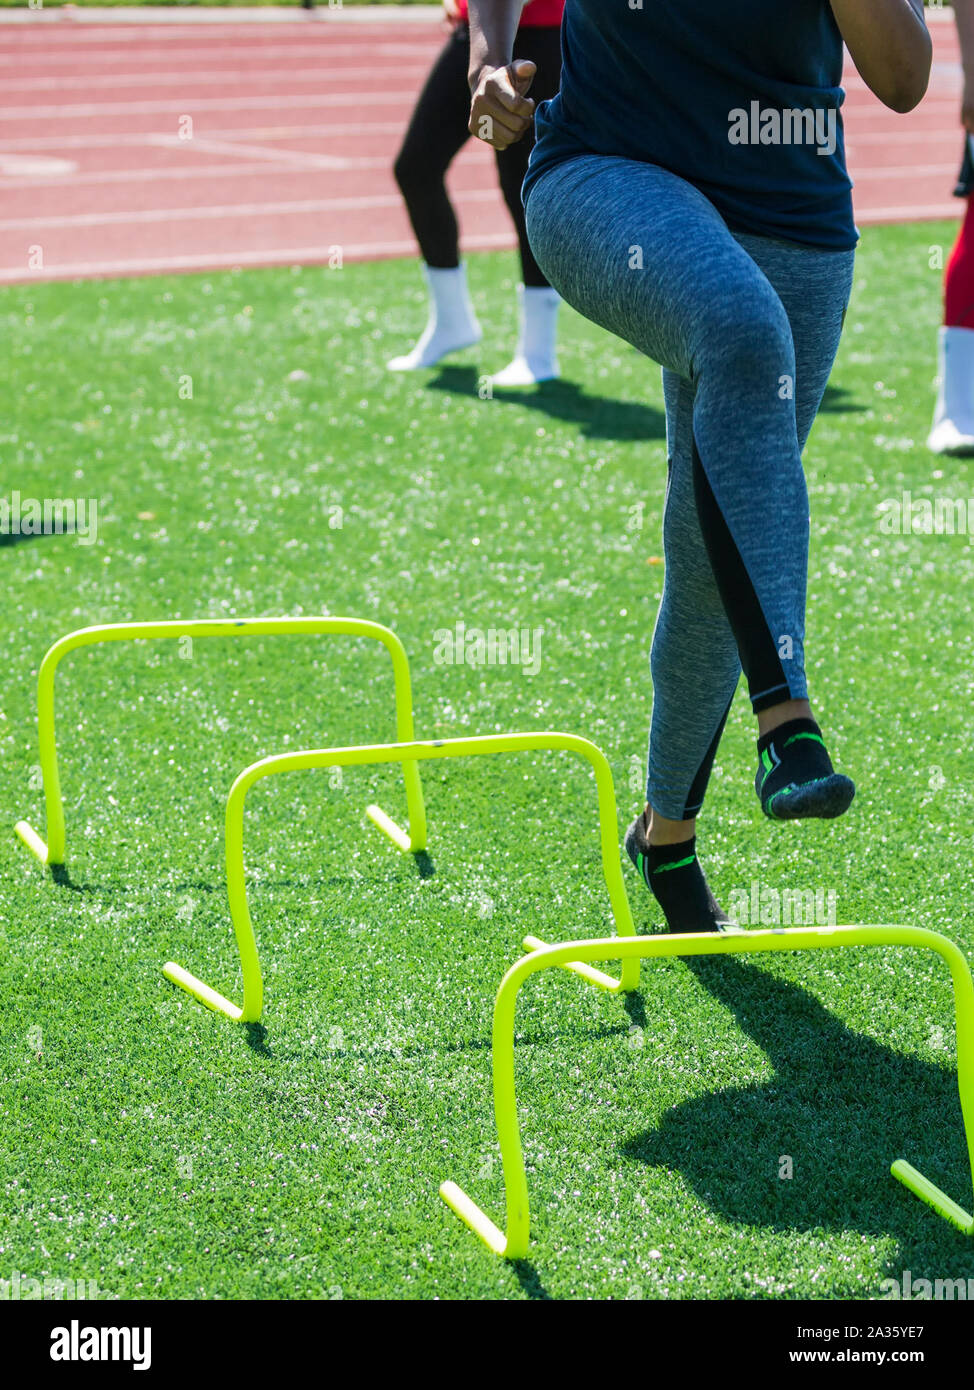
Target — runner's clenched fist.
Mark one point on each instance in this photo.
(501, 111)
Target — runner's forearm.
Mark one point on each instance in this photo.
(493, 24)
(890, 46)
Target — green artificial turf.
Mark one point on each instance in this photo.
(161, 1151)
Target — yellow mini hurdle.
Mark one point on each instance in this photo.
(408, 754)
(52, 852)
(513, 1243)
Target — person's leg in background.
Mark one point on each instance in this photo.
(535, 357)
(437, 130)
(649, 258)
(953, 421)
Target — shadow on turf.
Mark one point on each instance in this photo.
(841, 1105)
(256, 1037)
(63, 879)
(599, 417)
(61, 876)
(425, 867)
(635, 1007)
(530, 1280)
(424, 864)
(836, 403)
(13, 537)
(484, 1044)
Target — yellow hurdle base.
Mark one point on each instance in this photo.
(931, 1194)
(196, 987)
(32, 840)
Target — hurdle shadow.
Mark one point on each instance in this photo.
(530, 1280)
(841, 1105)
(63, 879)
(635, 1006)
(425, 868)
(255, 1036)
(466, 1045)
(598, 417)
(424, 863)
(61, 875)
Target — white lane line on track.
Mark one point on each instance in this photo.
(311, 255)
(368, 128)
(30, 167)
(932, 106)
(127, 109)
(99, 140)
(168, 171)
(69, 56)
(46, 179)
(296, 159)
(908, 137)
(854, 137)
(906, 171)
(219, 212)
(911, 212)
(37, 172)
(357, 203)
(351, 251)
(171, 171)
(192, 105)
(308, 255)
(134, 24)
(20, 29)
(328, 72)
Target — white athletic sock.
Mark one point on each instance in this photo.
(953, 420)
(536, 357)
(452, 323)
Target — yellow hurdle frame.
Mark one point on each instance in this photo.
(408, 754)
(52, 853)
(514, 1242)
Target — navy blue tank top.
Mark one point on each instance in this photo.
(740, 97)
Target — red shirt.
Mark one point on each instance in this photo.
(537, 14)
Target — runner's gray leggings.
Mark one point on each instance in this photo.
(746, 329)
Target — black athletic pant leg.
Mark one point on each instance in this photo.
(438, 131)
(543, 47)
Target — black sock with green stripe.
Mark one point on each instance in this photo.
(795, 777)
(673, 875)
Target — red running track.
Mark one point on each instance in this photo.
(135, 148)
